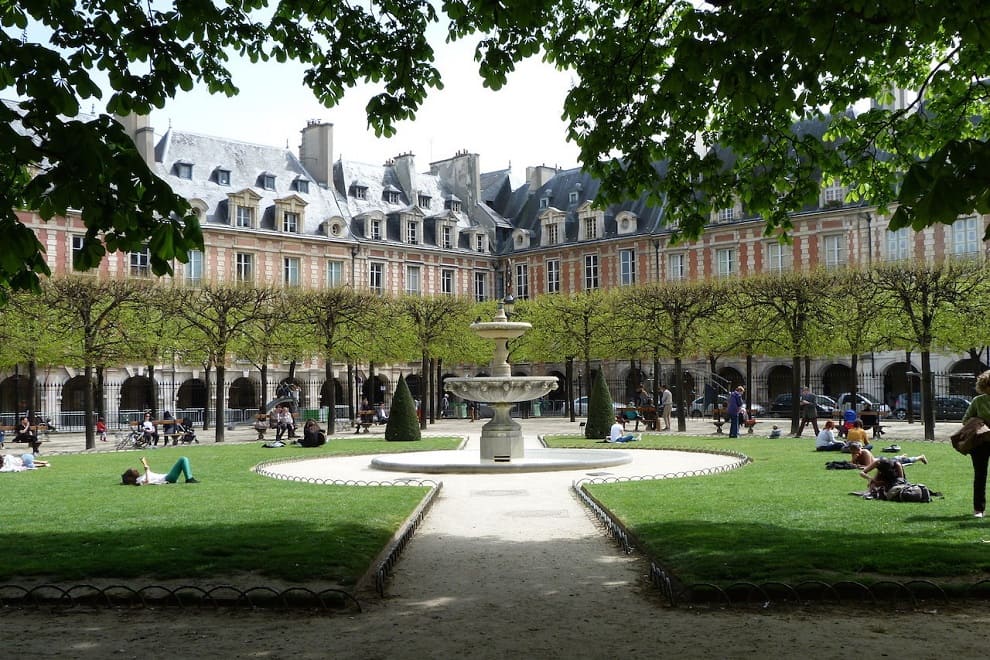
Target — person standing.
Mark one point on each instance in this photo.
(980, 453)
(666, 405)
(809, 411)
(735, 409)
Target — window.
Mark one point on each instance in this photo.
(424, 201)
(522, 281)
(725, 215)
(898, 244)
(413, 280)
(335, 271)
(376, 277)
(223, 177)
(835, 251)
(376, 229)
(544, 202)
(590, 271)
(627, 267)
(141, 263)
(776, 257)
(553, 276)
(480, 292)
(290, 222)
(834, 194)
(244, 217)
(479, 243)
(966, 236)
(302, 185)
(183, 170)
(675, 267)
(194, 267)
(447, 282)
(572, 197)
(359, 192)
(454, 204)
(590, 227)
(412, 232)
(290, 271)
(446, 237)
(553, 234)
(77, 246)
(244, 267)
(390, 196)
(725, 262)
(268, 181)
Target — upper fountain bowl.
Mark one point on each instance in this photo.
(490, 389)
(500, 329)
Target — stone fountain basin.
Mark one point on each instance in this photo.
(501, 389)
(500, 329)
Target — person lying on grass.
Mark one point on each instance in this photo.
(20, 463)
(134, 478)
(863, 457)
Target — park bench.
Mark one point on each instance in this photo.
(261, 425)
(9, 433)
(365, 419)
(645, 414)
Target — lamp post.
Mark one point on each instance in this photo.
(581, 392)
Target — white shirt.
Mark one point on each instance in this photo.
(148, 426)
(615, 433)
(825, 438)
(152, 479)
(667, 399)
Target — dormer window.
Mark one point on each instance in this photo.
(480, 243)
(243, 208)
(244, 216)
(544, 202)
(290, 222)
(301, 185)
(290, 212)
(424, 201)
(267, 180)
(412, 232)
(183, 169)
(572, 197)
(446, 237)
(222, 176)
(390, 195)
(453, 204)
(725, 215)
(833, 195)
(358, 191)
(375, 229)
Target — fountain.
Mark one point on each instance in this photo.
(502, 439)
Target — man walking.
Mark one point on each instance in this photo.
(667, 405)
(809, 411)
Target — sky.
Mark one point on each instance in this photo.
(520, 125)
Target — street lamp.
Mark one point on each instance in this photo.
(508, 304)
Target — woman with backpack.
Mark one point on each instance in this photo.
(980, 452)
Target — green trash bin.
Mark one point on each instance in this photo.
(536, 409)
(461, 410)
(309, 413)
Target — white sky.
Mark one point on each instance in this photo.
(520, 124)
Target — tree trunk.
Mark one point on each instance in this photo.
(854, 388)
(910, 388)
(88, 406)
(796, 392)
(154, 391)
(32, 390)
(206, 404)
(221, 403)
(332, 396)
(354, 391)
(424, 390)
(292, 371)
(679, 385)
(927, 409)
(569, 376)
(750, 394)
(263, 399)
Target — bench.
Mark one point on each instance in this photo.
(749, 424)
(9, 433)
(647, 415)
(261, 425)
(364, 421)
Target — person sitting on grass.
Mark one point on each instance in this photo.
(134, 478)
(774, 432)
(857, 434)
(889, 474)
(313, 435)
(616, 435)
(20, 463)
(826, 439)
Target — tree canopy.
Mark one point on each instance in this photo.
(766, 87)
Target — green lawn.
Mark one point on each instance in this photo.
(786, 518)
(74, 521)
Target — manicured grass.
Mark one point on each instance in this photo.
(786, 518)
(73, 521)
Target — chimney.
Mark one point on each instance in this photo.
(316, 151)
(537, 176)
(405, 170)
(138, 128)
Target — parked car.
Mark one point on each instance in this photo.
(845, 402)
(581, 406)
(699, 409)
(782, 405)
(947, 406)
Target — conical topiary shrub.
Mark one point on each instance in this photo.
(402, 423)
(601, 415)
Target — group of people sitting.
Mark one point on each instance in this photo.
(827, 439)
(24, 432)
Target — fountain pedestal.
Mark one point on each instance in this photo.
(501, 438)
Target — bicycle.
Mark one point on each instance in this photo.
(132, 439)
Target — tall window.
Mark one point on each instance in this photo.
(590, 228)
(446, 237)
(424, 201)
(194, 267)
(834, 194)
(141, 263)
(835, 251)
(244, 217)
(725, 215)
(77, 245)
(376, 276)
(479, 243)
(290, 222)
(376, 229)
(413, 280)
(775, 257)
(627, 267)
(553, 276)
(290, 271)
(522, 281)
(675, 267)
(447, 282)
(335, 271)
(480, 290)
(966, 236)
(725, 262)
(572, 197)
(590, 271)
(553, 234)
(244, 267)
(412, 233)
(899, 244)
